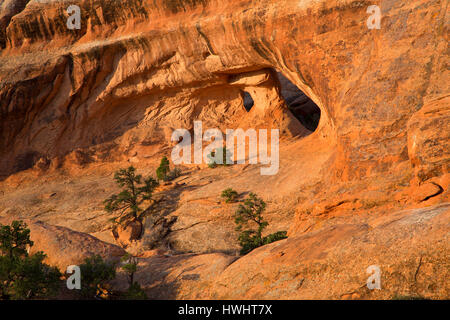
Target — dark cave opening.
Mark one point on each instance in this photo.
(301, 106)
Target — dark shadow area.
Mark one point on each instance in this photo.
(301, 106)
(157, 222)
(8, 9)
(248, 101)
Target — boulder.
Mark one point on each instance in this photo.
(126, 234)
(65, 247)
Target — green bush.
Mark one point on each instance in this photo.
(279, 235)
(95, 274)
(24, 276)
(229, 195)
(136, 191)
(226, 158)
(251, 213)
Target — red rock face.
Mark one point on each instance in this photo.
(64, 89)
(138, 69)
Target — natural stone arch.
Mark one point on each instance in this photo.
(303, 107)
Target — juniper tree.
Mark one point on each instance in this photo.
(128, 201)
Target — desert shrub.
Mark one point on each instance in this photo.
(279, 235)
(226, 158)
(95, 274)
(24, 276)
(173, 174)
(136, 191)
(229, 195)
(135, 292)
(250, 213)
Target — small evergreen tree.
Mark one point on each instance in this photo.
(35, 279)
(23, 276)
(163, 169)
(229, 195)
(129, 266)
(15, 239)
(134, 291)
(136, 191)
(95, 274)
(251, 213)
(164, 173)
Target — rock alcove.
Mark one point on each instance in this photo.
(271, 99)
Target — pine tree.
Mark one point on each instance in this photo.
(250, 213)
(136, 191)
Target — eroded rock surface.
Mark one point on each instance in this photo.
(125, 75)
(410, 248)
